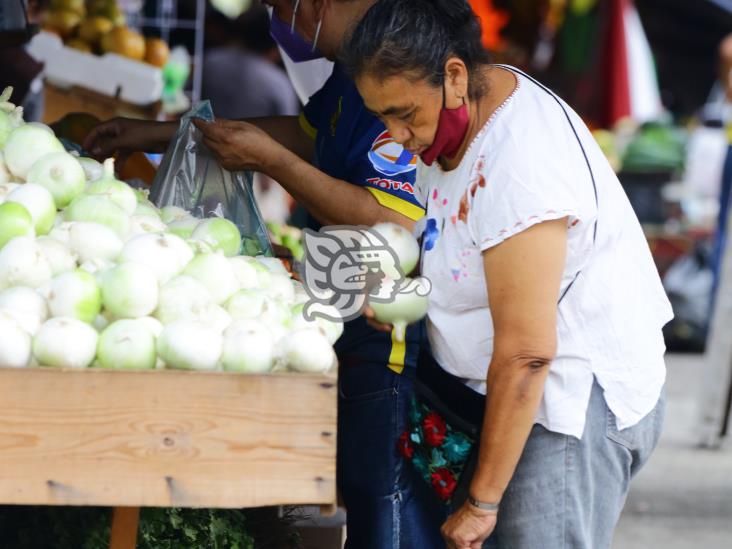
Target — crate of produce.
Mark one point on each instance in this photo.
(166, 438)
(143, 360)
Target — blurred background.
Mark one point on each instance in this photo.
(652, 79)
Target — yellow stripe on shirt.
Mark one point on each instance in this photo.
(412, 211)
(307, 127)
(398, 354)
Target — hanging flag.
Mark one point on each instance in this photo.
(630, 74)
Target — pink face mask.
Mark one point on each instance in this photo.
(451, 130)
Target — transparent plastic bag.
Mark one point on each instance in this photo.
(190, 177)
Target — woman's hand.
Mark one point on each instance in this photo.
(240, 145)
(468, 527)
(124, 136)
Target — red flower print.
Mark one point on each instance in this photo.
(443, 483)
(434, 429)
(404, 446)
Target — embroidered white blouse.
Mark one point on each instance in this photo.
(527, 166)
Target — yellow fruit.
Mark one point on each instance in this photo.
(62, 22)
(110, 10)
(124, 41)
(77, 6)
(93, 28)
(79, 44)
(156, 52)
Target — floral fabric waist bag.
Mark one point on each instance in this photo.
(445, 418)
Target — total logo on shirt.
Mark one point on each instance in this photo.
(389, 157)
(391, 185)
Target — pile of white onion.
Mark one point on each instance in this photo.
(94, 275)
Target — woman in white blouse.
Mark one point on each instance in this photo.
(545, 301)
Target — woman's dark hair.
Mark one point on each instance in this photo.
(417, 37)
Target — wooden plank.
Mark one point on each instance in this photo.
(125, 522)
(717, 373)
(166, 438)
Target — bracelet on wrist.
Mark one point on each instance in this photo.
(483, 505)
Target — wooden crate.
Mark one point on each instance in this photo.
(166, 438)
(59, 102)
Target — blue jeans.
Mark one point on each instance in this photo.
(568, 493)
(387, 506)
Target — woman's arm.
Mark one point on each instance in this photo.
(523, 275)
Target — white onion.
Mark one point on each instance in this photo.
(146, 207)
(274, 265)
(118, 192)
(61, 230)
(23, 264)
(182, 298)
(280, 287)
(173, 213)
(65, 343)
(248, 347)
(97, 267)
(99, 209)
(215, 272)
(92, 169)
(183, 227)
(404, 309)
(190, 345)
(26, 306)
(130, 290)
(307, 351)
(91, 241)
(15, 220)
(39, 203)
(402, 243)
(26, 145)
(61, 174)
(75, 294)
(331, 329)
(246, 304)
(60, 257)
(127, 345)
(15, 343)
(141, 224)
(221, 234)
(165, 254)
(245, 272)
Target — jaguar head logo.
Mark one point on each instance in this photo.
(344, 267)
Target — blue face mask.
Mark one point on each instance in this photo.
(297, 48)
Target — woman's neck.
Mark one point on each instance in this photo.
(499, 85)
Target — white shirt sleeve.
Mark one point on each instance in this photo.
(510, 193)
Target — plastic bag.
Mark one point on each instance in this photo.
(688, 283)
(191, 178)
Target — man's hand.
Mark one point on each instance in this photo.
(240, 145)
(124, 136)
(468, 527)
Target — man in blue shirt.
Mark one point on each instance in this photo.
(340, 163)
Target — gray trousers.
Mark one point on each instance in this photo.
(568, 493)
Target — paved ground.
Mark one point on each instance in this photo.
(683, 497)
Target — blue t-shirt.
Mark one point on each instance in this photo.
(353, 145)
